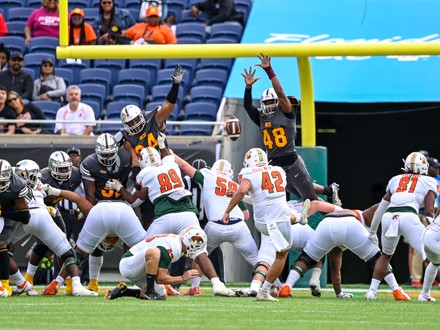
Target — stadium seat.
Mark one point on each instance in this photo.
(189, 64)
(196, 30)
(152, 65)
(159, 93)
(16, 28)
(111, 128)
(95, 106)
(244, 6)
(33, 3)
(201, 111)
(31, 72)
(175, 7)
(19, 13)
(164, 78)
(186, 17)
(197, 130)
(133, 4)
(131, 93)
(206, 94)
(114, 109)
(97, 76)
(211, 77)
(49, 109)
(173, 116)
(33, 61)
(76, 67)
(90, 14)
(216, 63)
(188, 40)
(5, 5)
(136, 76)
(44, 45)
(14, 43)
(227, 29)
(78, 4)
(221, 40)
(93, 92)
(113, 65)
(66, 74)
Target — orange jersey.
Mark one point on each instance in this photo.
(160, 34)
(90, 34)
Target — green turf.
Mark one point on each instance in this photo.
(209, 312)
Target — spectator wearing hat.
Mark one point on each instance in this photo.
(6, 113)
(15, 79)
(160, 4)
(75, 156)
(4, 57)
(218, 11)
(111, 19)
(80, 32)
(152, 31)
(3, 26)
(48, 87)
(26, 111)
(43, 22)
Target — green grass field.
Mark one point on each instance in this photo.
(209, 312)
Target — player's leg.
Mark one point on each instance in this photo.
(5, 238)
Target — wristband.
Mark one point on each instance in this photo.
(173, 93)
(269, 71)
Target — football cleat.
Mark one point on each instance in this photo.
(222, 290)
(51, 289)
(285, 291)
(423, 298)
(26, 287)
(335, 194)
(315, 288)
(344, 295)
(265, 297)
(171, 291)
(370, 295)
(246, 293)
(93, 285)
(116, 292)
(83, 292)
(68, 291)
(399, 294)
(3, 292)
(193, 292)
(153, 296)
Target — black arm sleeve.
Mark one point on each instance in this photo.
(251, 110)
(22, 216)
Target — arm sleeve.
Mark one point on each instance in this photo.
(61, 88)
(383, 205)
(251, 110)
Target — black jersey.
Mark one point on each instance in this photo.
(71, 184)
(92, 169)
(17, 189)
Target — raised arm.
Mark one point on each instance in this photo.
(171, 99)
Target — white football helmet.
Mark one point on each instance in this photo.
(149, 157)
(132, 119)
(416, 163)
(106, 149)
(255, 157)
(269, 101)
(5, 175)
(108, 243)
(28, 170)
(195, 240)
(223, 168)
(60, 166)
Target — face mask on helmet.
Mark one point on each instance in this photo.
(30, 171)
(269, 101)
(106, 149)
(223, 168)
(132, 119)
(5, 175)
(255, 157)
(149, 157)
(60, 166)
(195, 240)
(416, 163)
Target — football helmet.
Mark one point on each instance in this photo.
(195, 240)
(223, 168)
(416, 163)
(132, 119)
(106, 149)
(149, 157)
(60, 166)
(255, 157)
(268, 101)
(108, 244)
(5, 175)
(28, 170)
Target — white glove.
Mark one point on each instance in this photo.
(113, 184)
(51, 191)
(373, 238)
(177, 76)
(161, 140)
(344, 295)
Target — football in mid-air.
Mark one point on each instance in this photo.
(233, 128)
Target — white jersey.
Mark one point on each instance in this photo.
(268, 193)
(172, 243)
(410, 190)
(214, 188)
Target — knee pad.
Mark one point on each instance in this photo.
(70, 254)
(40, 249)
(304, 258)
(258, 271)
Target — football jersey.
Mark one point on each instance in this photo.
(214, 189)
(72, 184)
(410, 190)
(91, 169)
(147, 137)
(35, 198)
(162, 181)
(279, 133)
(17, 189)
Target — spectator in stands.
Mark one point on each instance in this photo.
(4, 57)
(218, 11)
(112, 20)
(3, 27)
(160, 4)
(15, 79)
(26, 111)
(48, 87)
(43, 22)
(153, 31)
(80, 32)
(75, 156)
(75, 111)
(6, 112)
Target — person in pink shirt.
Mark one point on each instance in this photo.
(43, 22)
(3, 27)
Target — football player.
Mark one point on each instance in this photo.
(276, 120)
(146, 264)
(14, 210)
(140, 130)
(398, 212)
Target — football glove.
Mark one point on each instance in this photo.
(161, 140)
(114, 185)
(52, 211)
(51, 191)
(177, 76)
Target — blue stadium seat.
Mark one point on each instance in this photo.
(136, 76)
(49, 109)
(221, 40)
(33, 3)
(244, 6)
(216, 63)
(66, 74)
(97, 76)
(78, 4)
(16, 28)
(196, 130)
(33, 61)
(5, 5)
(185, 16)
(152, 65)
(14, 43)
(133, 4)
(196, 30)
(96, 106)
(159, 93)
(19, 13)
(31, 72)
(227, 29)
(164, 78)
(211, 77)
(173, 116)
(111, 128)
(93, 92)
(90, 14)
(114, 109)
(113, 65)
(201, 111)
(44, 45)
(76, 68)
(130, 92)
(188, 40)
(206, 94)
(175, 7)
(189, 64)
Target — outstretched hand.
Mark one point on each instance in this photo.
(249, 78)
(265, 61)
(161, 140)
(178, 74)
